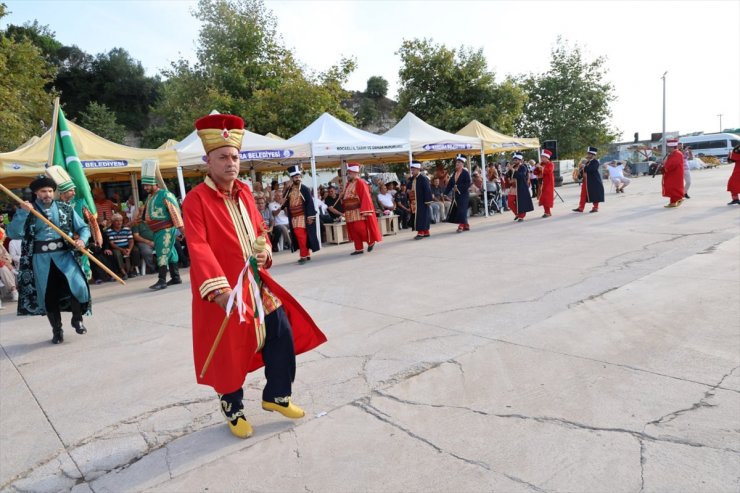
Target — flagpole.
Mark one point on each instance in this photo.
(53, 132)
(64, 235)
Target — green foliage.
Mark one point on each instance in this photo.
(243, 68)
(569, 103)
(24, 104)
(100, 120)
(377, 87)
(368, 112)
(40, 36)
(449, 87)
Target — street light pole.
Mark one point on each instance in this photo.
(662, 147)
(720, 121)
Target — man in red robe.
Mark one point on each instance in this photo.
(359, 212)
(673, 175)
(733, 184)
(268, 327)
(545, 172)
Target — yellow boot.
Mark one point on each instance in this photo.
(242, 428)
(290, 411)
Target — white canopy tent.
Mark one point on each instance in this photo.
(428, 142)
(256, 148)
(331, 140)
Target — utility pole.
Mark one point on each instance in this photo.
(720, 121)
(662, 146)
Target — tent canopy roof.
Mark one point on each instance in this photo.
(262, 152)
(100, 158)
(332, 138)
(428, 142)
(495, 141)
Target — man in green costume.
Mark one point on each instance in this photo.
(162, 215)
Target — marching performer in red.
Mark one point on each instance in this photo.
(545, 172)
(733, 184)
(302, 215)
(673, 175)
(359, 212)
(229, 257)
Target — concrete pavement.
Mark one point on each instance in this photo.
(584, 352)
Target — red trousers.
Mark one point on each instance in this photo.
(302, 237)
(511, 199)
(582, 204)
(358, 232)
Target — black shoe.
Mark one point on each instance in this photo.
(174, 275)
(577, 210)
(58, 337)
(734, 202)
(133, 274)
(370, 248)
(302, 261)
(357, 252)
(546, 215)
(593, 210)
(520, 220)
(419, 237)
(686, 196)
(79, 327)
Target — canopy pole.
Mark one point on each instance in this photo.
(181, 181)
(317, 221)
(53, 134)
(485, 177)
(135, 189)
(252, 175)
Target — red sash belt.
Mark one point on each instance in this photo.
(296, 210)
(351, 204)
(159, 225)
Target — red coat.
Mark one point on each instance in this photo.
(366, 206)
(217, 258)
(673, 176)
(733, 184)
(547, 185)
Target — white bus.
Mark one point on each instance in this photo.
(717, 145)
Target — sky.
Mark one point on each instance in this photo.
(696, 42)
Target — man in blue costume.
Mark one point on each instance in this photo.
(50, 279)
(520, 175)
(459, 186)
(420, 196)
(301, 212)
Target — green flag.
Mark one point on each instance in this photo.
(65, 155)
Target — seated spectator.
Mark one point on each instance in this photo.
(280, 221)
(493, 186)
(131, 209)
(7, 275)
(122, 247)
(403, 206)
(144, 240)
(333, 204)
(105, 255)
(441, 174)
(386, 204)
(475, 192)
(103, 205)
(392, 187)
(268, 219)
(442, 201)
(258, 190)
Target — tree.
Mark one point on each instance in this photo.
(570, 102)
(24, 104)
(377, 87)
(449, 87)
(100, 120)
(121, 84)
(243, 68)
